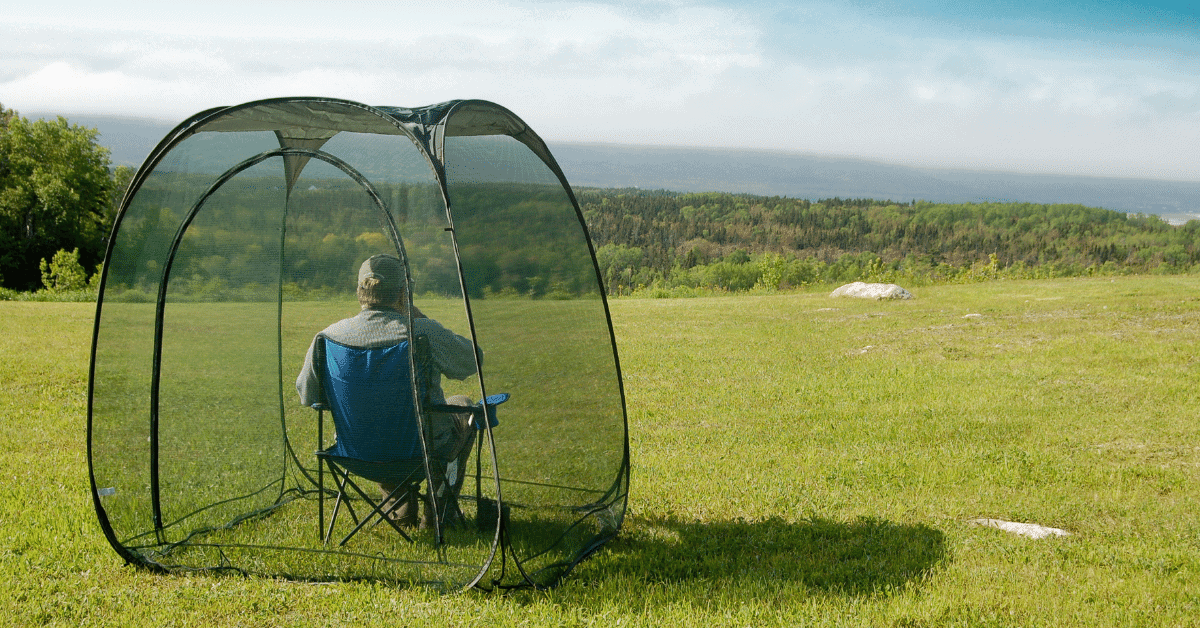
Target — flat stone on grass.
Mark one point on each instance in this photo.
(878, 291)
(1031, 530)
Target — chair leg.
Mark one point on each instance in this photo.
(344, 478)
(382, 509)
(321, 502)
(337, 504)
(321, 477)
(377, 511)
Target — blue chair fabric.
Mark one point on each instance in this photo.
(369, 393)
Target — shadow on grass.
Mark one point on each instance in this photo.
(857, 558)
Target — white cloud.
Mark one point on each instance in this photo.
(655, 57)
(826, 79)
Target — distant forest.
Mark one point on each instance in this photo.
(672, 243)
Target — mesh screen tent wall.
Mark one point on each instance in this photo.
(240, 238)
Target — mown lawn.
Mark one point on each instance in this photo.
(797, 460)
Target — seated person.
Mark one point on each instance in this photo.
(382, 323)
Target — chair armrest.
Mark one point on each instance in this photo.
(476, 411)
(492, 401)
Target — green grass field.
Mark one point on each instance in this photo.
(221, 454)
(797, 460)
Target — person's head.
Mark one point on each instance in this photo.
(381, 282)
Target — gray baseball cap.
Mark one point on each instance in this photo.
(386, 268)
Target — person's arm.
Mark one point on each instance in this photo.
(307, 384)
(452, 354)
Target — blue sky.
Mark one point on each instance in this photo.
(1090, 88)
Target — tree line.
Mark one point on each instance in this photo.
(678, 241)
(59, 196)
(58, 193)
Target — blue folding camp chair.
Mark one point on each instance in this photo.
(370, 394)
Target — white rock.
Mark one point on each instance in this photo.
(1031, 530)
(878, 291)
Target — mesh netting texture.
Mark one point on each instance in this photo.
(240, 239)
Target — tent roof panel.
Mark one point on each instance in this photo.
(303, 119)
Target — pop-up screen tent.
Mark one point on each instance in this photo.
(240, 238)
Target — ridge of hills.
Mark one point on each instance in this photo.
(777, 173)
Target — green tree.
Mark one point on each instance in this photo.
(122, 176)
(55, 194)
(64, 273)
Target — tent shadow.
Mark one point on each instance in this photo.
(854, 559)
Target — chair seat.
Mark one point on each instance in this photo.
(393, 472)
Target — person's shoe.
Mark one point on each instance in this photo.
(450, 517)
(405, 513)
